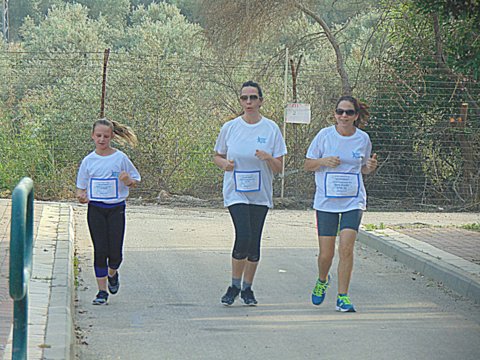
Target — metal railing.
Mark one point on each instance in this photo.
(21, 249)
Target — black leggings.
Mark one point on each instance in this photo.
(248, 220)
(107, 230)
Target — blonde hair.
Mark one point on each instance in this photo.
(124, 134)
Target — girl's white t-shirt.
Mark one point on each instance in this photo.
(340, 189)
(251, 180)
(99, 176)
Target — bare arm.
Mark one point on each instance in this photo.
(221, 161)
(276, 164)
(315, 164)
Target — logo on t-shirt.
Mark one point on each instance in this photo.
(356, 155)
(261, 140)
(115, 174)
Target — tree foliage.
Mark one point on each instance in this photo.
(459, 32)
(426, 91)
(228, 26)
(175, 68)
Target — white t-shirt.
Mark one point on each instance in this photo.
(251, 180)
(340, 189)
(99, 176)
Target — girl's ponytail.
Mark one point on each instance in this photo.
(124, 134)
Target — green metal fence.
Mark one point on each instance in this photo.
(21, 248)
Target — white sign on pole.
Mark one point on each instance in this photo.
(297, 113)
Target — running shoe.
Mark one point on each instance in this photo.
(230, 295)
(101, 299)
(113, 283)
(320, 290)
(344, 304)
(248, 297)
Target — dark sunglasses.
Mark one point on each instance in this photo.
(348, 112)
(246, 97)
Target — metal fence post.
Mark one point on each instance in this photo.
(21, 248)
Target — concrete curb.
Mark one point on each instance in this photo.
(51, 287)
(59, 333)
(455, 273)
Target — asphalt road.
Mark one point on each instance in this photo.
(177, 266)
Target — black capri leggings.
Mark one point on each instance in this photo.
(107, 230)
(248, 220)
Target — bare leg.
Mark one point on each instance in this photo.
(325, 256)
(111, 272)
(249, 273)
(238, 267)
(102, 283)
(345, 264)
(244, 268)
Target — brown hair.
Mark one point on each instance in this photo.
(255, 85)
(360, 108)
(124, 134)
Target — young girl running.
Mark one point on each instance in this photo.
(103, 181)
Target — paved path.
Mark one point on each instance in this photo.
(176, 268)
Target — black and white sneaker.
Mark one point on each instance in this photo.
(113, 283)
(230, 295)
(101, 299)
(248, 297)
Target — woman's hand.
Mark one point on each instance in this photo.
(331, 161)
(371, 165)
(262, 155)
(228, 165)
(82, 196)
(221, 161)
(315, 164)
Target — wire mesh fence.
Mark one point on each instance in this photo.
(424, 124)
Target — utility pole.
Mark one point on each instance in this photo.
(5, 21)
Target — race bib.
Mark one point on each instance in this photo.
(341, 185)
(103, 189)
(247, 181)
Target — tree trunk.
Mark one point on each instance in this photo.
(346, 87)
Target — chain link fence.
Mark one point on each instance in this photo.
(427, 141)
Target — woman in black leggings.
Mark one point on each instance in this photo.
(250, 149)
